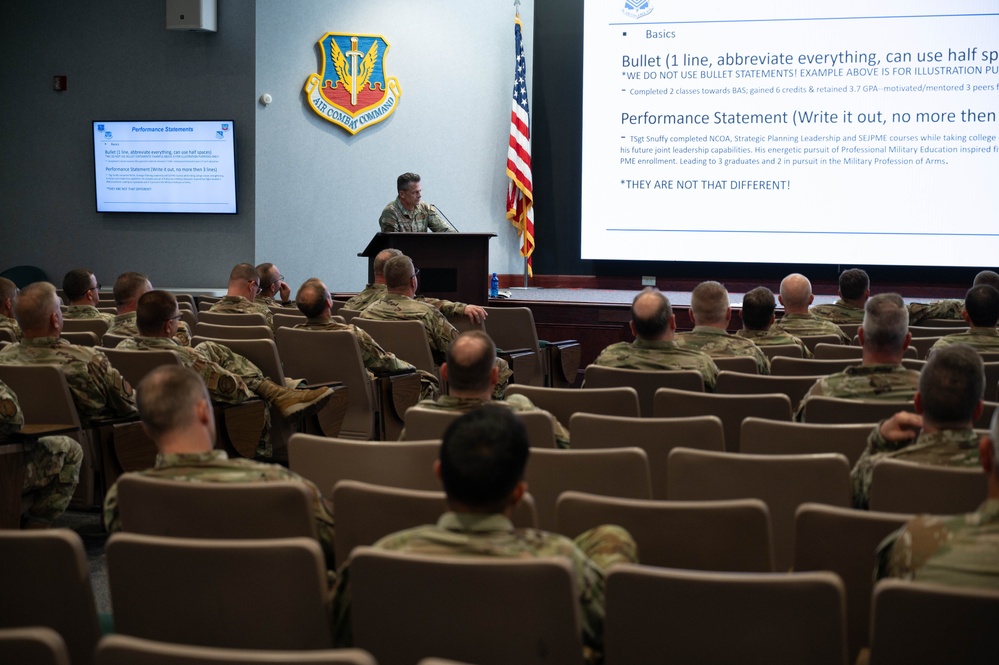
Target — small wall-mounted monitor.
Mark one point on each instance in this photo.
(180, 166)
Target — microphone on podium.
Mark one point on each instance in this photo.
(438, 211)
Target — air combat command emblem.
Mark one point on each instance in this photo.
(352, 91)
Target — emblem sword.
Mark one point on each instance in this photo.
(353, 54)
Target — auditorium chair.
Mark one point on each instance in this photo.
(843, 541)
(656, 436)
(35, 645)
(164, 507)
(513, 328)
(841, 351)
(824, 409)
(81, 337)
(375, 407)
(288, 320)
(125, 650)
(772, 437)
(737, 383)
(898, 486)
(645, 382)
(620, 472)
(211, 592)
(366, 512)
(326, 461)
(784, 366)
(811, 341)
(534, 600)
(742, 364)
(563, 402)
(773, 350)
(660, 615)
(46, 582)
(96, 326)
(428, 423)
(923, 345)
(208, 330)
(731, 409)
(697, 535)
(232, 318)
(917, 622)
(406, 339)
(783, 482)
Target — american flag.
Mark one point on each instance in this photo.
(520, 191)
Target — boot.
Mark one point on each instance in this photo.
(294, 404)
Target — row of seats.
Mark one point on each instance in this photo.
(202, 596)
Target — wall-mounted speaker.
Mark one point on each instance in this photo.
(196, 15)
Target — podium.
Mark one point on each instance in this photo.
(453, 266)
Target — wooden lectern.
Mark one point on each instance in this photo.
(453, 266)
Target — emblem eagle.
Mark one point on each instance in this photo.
(354, 83)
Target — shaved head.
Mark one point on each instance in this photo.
(796, 293)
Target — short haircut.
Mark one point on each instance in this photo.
(403, 182)
(651, 327)
(758, 308)
(709, 303)
(35, 305)
(989, 277)
(76, 283)
(853, 283)
(471, 357)
(311, 297)
(982, 305)
(951, 384)
(8, 289)
(886, 323)
(243, 272)
(153, 310)
(166, 398)
(128, 287)
(382, 257)
(398, 271)
(483, 457)
(264, 275)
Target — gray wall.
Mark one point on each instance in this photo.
(320, 190)
(122, 64)
(309, 193)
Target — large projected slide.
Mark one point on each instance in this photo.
(176, 166)
(860, 133)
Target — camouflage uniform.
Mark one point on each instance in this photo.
(374, 292)
(269, 301)
(956, 551)
(881, 381)
(980, 339)
(774, 337)
(395, 307)
(216, 467)
(802, 325)
(949, 447)
(395, 218)
(7, 323)
(658, 355)
(472, 534)
(87, 312)
(51, 465)
(124, 325)
(98, 390)
(374, 357)
(240, 305)
(839, 312)
(370, 294)
(229, 377)
(440, 332)
(938, 309)
(719, 344)
(514, 402)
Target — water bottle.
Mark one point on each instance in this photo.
(494, 287)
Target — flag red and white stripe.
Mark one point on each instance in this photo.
(520, 193)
